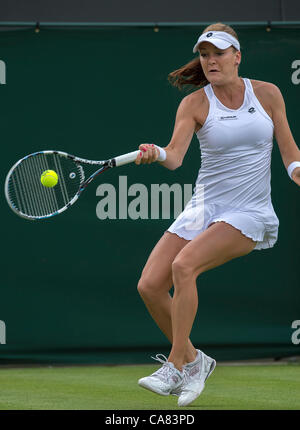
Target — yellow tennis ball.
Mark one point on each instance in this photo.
(49, 178)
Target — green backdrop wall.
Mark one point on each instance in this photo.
(68, 285)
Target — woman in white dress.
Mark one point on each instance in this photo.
(234, 119)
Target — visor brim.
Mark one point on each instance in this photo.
(221, 44)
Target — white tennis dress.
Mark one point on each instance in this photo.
(234, 181)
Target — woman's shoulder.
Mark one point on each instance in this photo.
(195, 105)
(265, 89)
(195, 99)
(269, 95)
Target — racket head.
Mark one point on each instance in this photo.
(26, 195)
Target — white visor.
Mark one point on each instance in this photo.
(220, 39)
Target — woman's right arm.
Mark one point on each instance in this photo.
(184, 128)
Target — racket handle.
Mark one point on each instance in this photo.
(130, 157)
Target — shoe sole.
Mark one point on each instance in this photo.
(147, 387)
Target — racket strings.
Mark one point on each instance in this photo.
(29, 196)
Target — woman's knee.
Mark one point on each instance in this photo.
(147, 288)
(182, 270)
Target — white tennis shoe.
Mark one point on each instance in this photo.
(166, 379)
(195, 375)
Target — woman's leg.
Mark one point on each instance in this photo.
(156, 282)
(215, 246)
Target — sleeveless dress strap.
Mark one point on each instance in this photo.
(209, 92)
(248, 85)
(254, 99)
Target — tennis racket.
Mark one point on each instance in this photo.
(29, 199)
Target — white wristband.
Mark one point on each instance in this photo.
(291, 167)
(162, 153)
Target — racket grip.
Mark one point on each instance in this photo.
(130, 157)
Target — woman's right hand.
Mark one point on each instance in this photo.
(149, 154)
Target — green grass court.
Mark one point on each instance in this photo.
(115, 388)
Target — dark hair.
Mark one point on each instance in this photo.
(191, 74)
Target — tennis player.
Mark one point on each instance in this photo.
(234, 119)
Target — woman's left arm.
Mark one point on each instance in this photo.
(288, 148)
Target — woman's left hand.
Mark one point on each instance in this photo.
(296, 175)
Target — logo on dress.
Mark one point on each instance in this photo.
(222, 118)
(251, 110)
(209, 34)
